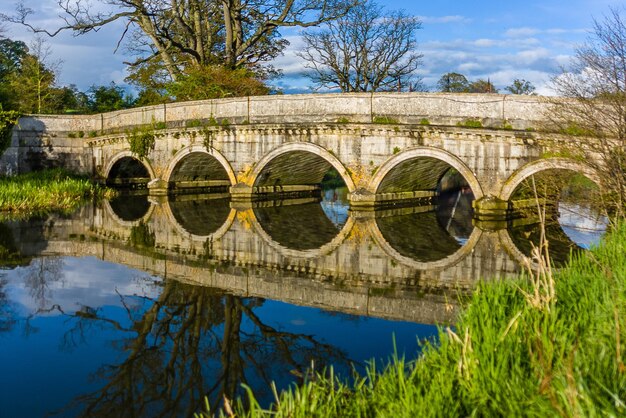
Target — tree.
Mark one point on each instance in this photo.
(193, 33)
(366, 50)
(482, 86)
(32, 83)
(521, 86)
(596, 84)
(11, 55)
(215, 82)
(453, 83)
(108, 98)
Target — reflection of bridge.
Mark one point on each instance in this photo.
(364, 267)
(386, 147)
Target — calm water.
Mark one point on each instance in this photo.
(141, 307)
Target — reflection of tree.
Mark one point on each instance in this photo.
(9, 254)
(39, 275)
(7, 313)
(190, 342)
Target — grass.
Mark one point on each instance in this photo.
(45, 191)
(551, 344)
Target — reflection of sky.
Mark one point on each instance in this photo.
(584, 225)
(76, 282)
(49, 359)
(335, 205)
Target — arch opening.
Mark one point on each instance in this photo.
(298, 173)
(427, 174)
(423, 176)
(574, 218)
(434, 186)
(128, 172)
(199, 172)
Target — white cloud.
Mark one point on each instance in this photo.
(444, 19)
(521, 32)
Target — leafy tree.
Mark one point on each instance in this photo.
(8, 119)
(214, 82)
(183, 34)
(482, 86)
(521, 86)
(108, 98)
(32, 83)
(365, 50)
(453, 83)
(596, 84)
(69, 99)
(11, 55)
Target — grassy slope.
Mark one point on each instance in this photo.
(44, 191)
(509, 357)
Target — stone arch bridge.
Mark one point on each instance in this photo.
(387, 147)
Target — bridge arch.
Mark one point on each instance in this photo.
(425, 152)
(511, 184)
(190, 158)
(127, 161)
(301, 149)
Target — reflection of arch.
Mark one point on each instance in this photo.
(429, 152)
(200, 149)
(127, 154)
(180, 229)
(545, 164)
(288, 252)
(520, 240)
(127, 223)
(448, 261)
(306, 147)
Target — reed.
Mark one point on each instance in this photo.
(548, 344)
(45, 191)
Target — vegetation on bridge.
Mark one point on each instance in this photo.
(45, 191)
(552, 346)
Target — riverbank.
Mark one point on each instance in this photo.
(45, 191)
(524, 348)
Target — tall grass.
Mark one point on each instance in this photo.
(43, 191)
(520, 349)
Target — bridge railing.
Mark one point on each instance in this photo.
(491, 110)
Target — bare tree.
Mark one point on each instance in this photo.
(366, 50)
(596, 84)
(232, 33)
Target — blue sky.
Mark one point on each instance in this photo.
(499, 40)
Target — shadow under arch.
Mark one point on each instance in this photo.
(305, 251)
(129, 211)
(195, 160)
(544, 164)
(461, 250)
(297, 163)
(126, 162)
(439, 162)
(200, 219)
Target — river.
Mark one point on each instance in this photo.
(142, 306)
